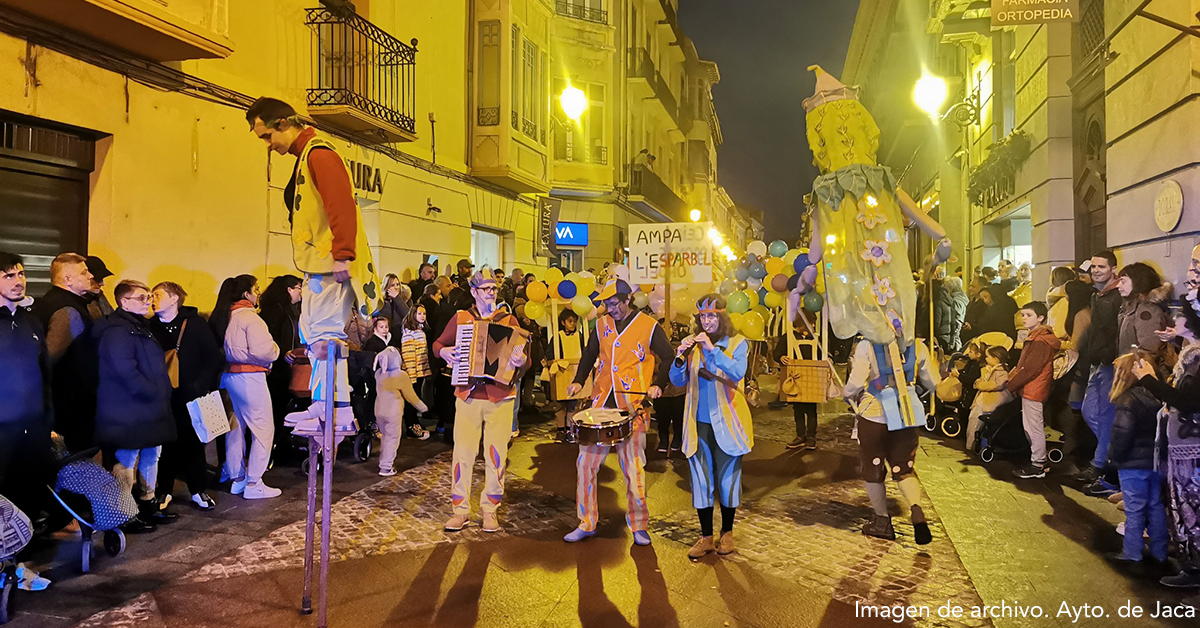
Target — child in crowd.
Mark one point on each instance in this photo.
(990, 384)
(1033, 378)
(393, 386)
(561, 371)
(1131, 450)
(381, 335)
(668, 408)
(414, 348)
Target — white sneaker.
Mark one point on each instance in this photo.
(388, 472)
(238, 487)
(258, 490)
(29, 580)
(1121, 528)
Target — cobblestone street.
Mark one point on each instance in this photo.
(801, 558)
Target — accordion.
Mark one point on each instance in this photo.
(484, 351)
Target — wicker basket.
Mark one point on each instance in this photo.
(804, 381)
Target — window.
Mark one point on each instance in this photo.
(529, 91)
(541, 101)
(486, 248)
(516, 76)
(489, 73)
(583, 142)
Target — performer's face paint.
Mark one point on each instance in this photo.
(617, 307)
(710, 322)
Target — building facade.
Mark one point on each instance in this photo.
(124, 132)
(1057, 140)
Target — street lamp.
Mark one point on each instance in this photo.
(695, 215)
(573, 101)
(930, 94)
(728, 253)
(715, 236)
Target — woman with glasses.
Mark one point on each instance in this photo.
(249, 350)
(133, 401)
(717, 430)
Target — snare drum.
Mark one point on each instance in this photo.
(602, 426)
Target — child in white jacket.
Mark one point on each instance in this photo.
(992, 392)
(393, 386)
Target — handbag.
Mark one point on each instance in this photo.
(210, 415)
(950, 389)
(808, 381)
(172, 356)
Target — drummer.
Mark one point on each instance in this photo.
(717, 430)
(630, 353)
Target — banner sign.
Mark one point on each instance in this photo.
(548, 209)
(674, 252)
(571, 234)
(1014, 12)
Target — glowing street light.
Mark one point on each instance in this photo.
(573, 101)
(930, 94)
(715, 236)
(695, 215)
(831, 239)
(728, 253)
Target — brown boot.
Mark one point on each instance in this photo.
(880, 527)
(702, 547)
(725, 545)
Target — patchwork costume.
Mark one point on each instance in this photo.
(483, 408)
(629, 358)
(327, 226)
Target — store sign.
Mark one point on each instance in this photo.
(571, 234)
(365, 177)
(548, 209)
(678, 252)
(1014, 12)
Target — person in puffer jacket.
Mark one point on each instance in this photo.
(1131, 453)
(249, 351)
(1032, 380)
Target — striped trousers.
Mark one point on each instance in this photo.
(632, 455)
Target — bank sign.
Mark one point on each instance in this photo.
(1014, 12)
(675, 252)
(571, 234)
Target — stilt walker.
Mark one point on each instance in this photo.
(858, 236)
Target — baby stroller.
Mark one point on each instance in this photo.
(362, 401)
(954, 403)
(15, 533)
(92, 496)
(1001, 432)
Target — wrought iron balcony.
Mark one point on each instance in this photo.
(646, 189)
(363, 79)
(580, 12)
(641, 68)
(597, 155)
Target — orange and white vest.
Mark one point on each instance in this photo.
(734, 431)
(626, 365)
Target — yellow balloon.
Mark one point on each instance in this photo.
(586, 284)
(536, 292)
(774, 299)
(762, 311)
(753, 326)
(752, 295)
(552, 290)
(774, 266)
(582, 305)
(819, 284)
(647, 288)
(682, 303)
(553, 275)
(790, 258)
(534, 310)
(738, 319)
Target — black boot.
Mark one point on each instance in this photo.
(151, 511)
(137, 526)
(880, 527)
(921, 533)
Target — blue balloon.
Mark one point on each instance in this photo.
(758, 271)
(762, 295)
(742, 274)
(801, 262)
(750, 259)
(567, 289)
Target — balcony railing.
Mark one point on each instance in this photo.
(641, 66)
(580, 12)
(596, 155)
(358, 68)
(645, 183)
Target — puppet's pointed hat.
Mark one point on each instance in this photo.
(829, 89)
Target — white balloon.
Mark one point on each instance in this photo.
(754, 283)
(619, 271)
(757, 247)
(641, 299)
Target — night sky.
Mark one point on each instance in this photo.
(763, 48)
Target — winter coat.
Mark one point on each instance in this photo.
(395, 310)
(249, 346)
(974, 312)
(1099, 344)
(133, 401)
(1034, 374)
(25, 384)
(393, 387)
(991, 384)
(201, 357)
(71, 352)
(1182, 397)
(1139, 318)
(283, 321)
(375, 344)
(999, 316)
(949, 311)
(1133, 430)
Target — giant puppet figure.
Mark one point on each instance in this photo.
(858, 241)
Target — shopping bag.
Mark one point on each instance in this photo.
(210, 415)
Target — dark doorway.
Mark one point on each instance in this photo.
(44, 188)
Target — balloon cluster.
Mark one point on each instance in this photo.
(763, 278)
(574, 291)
